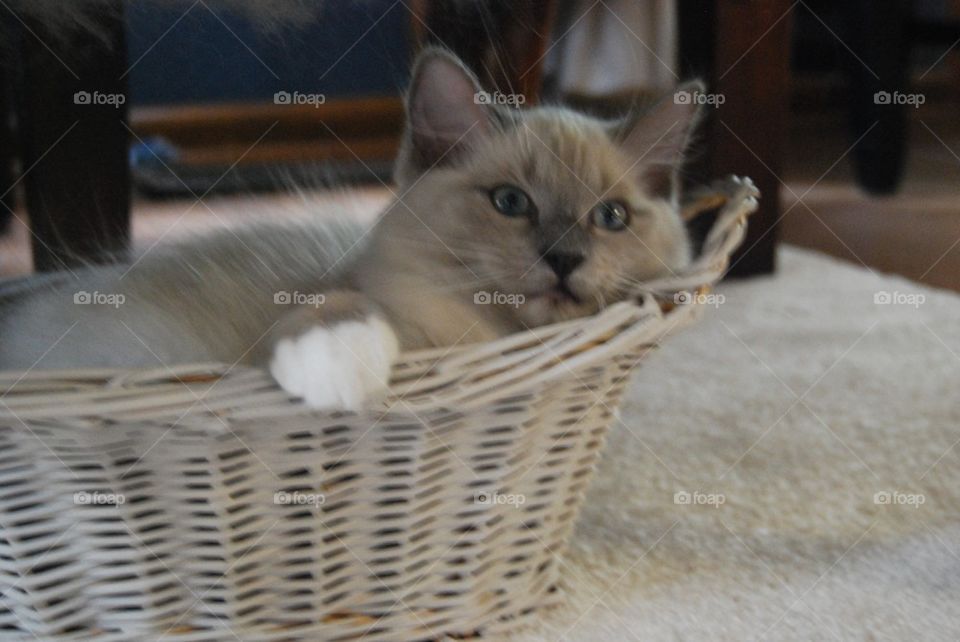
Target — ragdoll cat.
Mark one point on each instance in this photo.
(504, 219)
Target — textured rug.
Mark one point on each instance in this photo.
(789, 469)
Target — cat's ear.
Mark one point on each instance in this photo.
(446, 113)
(657, 139)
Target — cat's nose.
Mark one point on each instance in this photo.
(563, 263)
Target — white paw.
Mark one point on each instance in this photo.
(343, 366)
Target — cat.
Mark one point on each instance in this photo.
(505, 219)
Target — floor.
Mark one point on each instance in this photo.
(915, 233)
(819, 431)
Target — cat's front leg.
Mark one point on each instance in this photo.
(335, 354)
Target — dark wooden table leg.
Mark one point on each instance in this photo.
(877, 31)
(7, 151)
(72, 106)
(742, 50)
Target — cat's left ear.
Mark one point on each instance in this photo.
(446, 113)
(657, 139)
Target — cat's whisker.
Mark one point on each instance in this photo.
(464, 255)
(477, 250)
(601, 301)
(480, 281)
(465, 284)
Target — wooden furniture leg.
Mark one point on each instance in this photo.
(72, 106)
(742, 50)
(7, 152)
(877, 31)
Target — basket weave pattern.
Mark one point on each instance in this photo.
(201, 503)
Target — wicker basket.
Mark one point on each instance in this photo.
(204, 504)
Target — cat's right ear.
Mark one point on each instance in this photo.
(446, 113)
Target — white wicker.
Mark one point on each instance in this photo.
(204, 504)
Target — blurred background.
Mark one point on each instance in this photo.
(129, 123)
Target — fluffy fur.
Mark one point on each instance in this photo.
(363, 351)
(421, 271)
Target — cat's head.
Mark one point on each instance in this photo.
(552, 213)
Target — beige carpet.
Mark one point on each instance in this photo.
(795, 403)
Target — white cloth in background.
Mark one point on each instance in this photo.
(617, 45)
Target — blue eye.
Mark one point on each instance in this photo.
(610, 215)
(511, 201)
